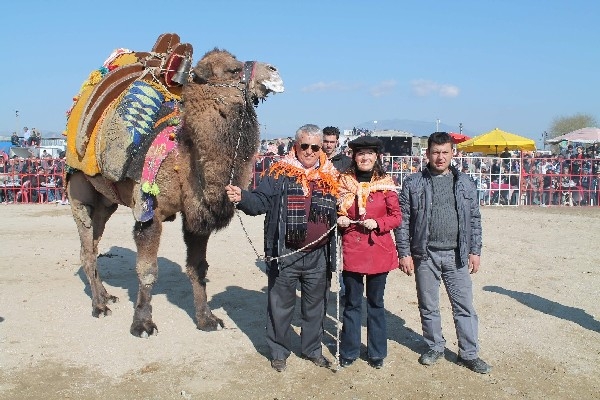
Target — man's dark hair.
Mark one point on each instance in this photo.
(439, 138)
(331, 130)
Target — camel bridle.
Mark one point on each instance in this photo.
(246, 75)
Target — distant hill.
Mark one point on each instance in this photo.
(417, 128)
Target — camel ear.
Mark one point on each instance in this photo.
(201, 74)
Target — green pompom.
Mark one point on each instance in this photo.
(146, 187)
(154, 190)
(150, 188)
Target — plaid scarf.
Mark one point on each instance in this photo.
(322, 178)
(351, 189)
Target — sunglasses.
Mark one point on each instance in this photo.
(313, 147)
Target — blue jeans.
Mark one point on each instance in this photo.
(376, 324)
(444, 265)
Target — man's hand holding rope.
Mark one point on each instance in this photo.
(234, 193)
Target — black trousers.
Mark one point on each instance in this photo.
(310, 270)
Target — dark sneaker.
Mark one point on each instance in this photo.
(430, 357)
(376, 363)
(278, 365)
(346, 362)
(320, 361)
(475, 365)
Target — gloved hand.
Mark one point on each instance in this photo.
(343, 221)
(370, 224)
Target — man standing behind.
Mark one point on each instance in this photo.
(26, 137)
(440, 238)
(331, 137)
(298, 196)
(15, 140)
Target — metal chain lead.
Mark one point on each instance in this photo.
(258, 256)
(338, 323)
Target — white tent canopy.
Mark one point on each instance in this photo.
(584, 135)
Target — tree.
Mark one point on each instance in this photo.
(562, 125)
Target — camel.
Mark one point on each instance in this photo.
(216, 144)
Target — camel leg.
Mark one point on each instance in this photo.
(147, 240)
(90, 216)
(196, 268)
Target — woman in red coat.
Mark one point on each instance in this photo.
(369, 210)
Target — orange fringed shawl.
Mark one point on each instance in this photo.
(350, 189)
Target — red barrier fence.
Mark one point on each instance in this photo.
(32, 180)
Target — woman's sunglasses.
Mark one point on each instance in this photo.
(313, 147)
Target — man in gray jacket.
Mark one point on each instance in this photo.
(440, 240)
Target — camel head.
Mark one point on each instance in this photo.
(220, 68)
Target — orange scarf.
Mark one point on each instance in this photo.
(351, 189)
(324, 175)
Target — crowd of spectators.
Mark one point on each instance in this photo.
(32, 180)
(569, 178)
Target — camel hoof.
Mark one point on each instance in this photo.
(212, 324)
(143, 329)
(101, 312)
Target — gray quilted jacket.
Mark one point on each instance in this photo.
(415, 201)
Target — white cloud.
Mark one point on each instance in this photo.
(383, 88)
(325, 87)
(449, 91)
(424, 87)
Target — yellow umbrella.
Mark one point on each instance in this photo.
(493, 140)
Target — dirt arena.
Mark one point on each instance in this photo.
(537, 295)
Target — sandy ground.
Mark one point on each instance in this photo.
(537, 296)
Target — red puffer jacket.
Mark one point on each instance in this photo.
(372, 252)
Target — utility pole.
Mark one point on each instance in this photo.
(544, 138)
(17, 121)
(460, 127)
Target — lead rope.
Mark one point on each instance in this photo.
(237, 212)
(338, 247)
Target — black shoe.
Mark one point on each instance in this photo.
(346, 362)
(320, 361)
(475, 365)
(376, 363)
(430, 357)
(278, 365)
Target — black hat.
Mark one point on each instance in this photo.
(366, 142)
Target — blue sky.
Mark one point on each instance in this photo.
(512, 64)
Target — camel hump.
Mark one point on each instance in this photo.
(109, 88)
(169, 61)
(167, 65)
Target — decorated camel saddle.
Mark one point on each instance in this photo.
(125, 119)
